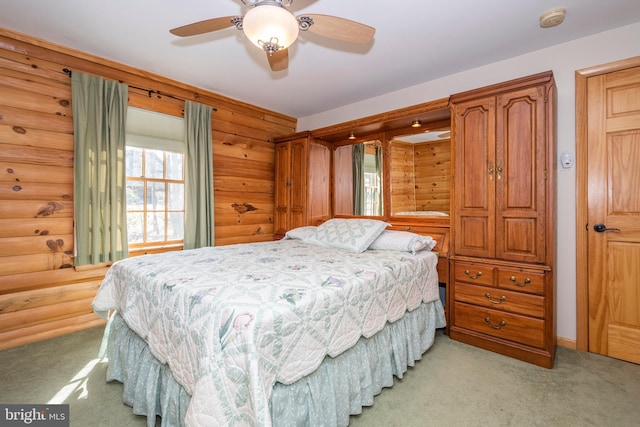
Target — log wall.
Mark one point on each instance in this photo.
(41, 293)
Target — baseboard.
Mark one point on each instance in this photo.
(566, 342)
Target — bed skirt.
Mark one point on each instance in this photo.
(340, 387)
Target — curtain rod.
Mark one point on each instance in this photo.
(149, 91)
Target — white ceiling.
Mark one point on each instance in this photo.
(415, 42)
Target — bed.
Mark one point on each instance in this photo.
(301, 331)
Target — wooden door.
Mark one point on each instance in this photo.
(613, 182)
(520, 175)
(282, 210)
(474, 123)
(298, 182)
(318, 188)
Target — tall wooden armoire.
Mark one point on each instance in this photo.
(503, 234)
(302, 185)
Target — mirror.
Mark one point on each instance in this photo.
(358, 178)
(420, 173)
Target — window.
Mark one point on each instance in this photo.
(372, 193)
(155, 179)
(372, 190)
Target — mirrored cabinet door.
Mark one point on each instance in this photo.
(420, 173)
(358, 178)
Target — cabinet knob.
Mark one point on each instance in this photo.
(523, 284)
(468, 273)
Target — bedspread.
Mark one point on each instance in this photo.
(230, 321)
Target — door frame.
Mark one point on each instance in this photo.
(582, 271)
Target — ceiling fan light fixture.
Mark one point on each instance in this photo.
(270, 27)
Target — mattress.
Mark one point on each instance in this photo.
(230, 322)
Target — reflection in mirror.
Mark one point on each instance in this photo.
(421, 173)
(358, 179)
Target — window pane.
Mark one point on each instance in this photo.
(154, 163)
(155, 226)
(176, 226)
(135, 195)
(133, 161)
(135, 227)
(176, 197)
(155, 196)
(174, 165)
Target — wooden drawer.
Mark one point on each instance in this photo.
(499, 299)
(477, 274)
(521, 281)
(513, 327)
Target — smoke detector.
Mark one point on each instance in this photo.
(552, 18)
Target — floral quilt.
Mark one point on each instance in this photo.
(231, 321)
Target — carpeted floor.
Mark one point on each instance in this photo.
(453, 385)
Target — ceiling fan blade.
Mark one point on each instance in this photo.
(206, 26)
(342, 29)
(279, 60)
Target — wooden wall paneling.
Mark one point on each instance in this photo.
(35, 227)
(433, 176)
(29, 137)
(402, 173)
(24, 300)
(41, 294)
(48, 278)
(51, 328)
(21, 209)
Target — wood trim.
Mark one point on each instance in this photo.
(582, 272)
(510, 85)
(566, 343)
(431, 112)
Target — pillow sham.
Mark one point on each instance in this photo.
(349, 234)
(300, 232)
(392, 240)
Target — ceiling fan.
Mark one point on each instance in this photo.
(271, 27)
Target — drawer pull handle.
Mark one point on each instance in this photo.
(468, 273)
(495, 301)
(522, 285)
(499, 326)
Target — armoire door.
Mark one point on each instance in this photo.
(298, 185)
(613, 229)
(520, 175)
(282, 210)
(475, 174)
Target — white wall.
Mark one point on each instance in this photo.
(563, 60)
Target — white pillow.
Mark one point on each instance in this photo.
(392, 240)
(352, 235)
(300, 232)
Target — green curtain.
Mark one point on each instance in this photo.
(358, 179)
(198, 222)
(99, 119)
